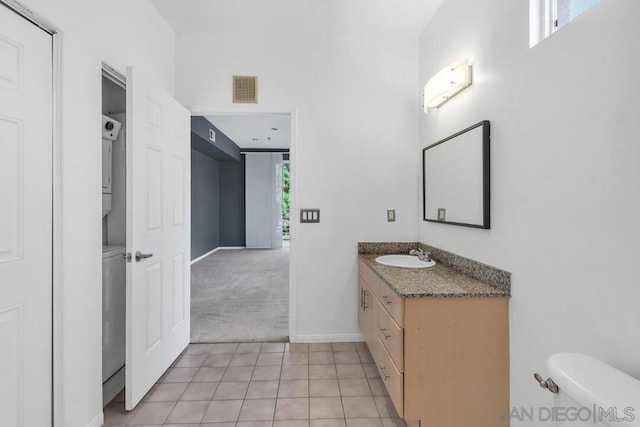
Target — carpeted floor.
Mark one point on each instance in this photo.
(240, 295)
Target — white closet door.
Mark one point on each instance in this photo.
(25, 222)
(262, 200)
(158, 221)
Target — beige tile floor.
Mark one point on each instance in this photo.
(264, 385)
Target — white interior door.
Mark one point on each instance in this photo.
(158, 226)
(25, 222)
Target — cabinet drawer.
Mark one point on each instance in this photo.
(391, 336)
(391, 301)
(393, 380)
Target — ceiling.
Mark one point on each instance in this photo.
(189, 16)
(243, 129)
(263, 17)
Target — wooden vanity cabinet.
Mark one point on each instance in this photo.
(444, 360)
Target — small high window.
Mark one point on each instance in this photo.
(547, 16)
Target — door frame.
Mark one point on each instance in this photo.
(293, 225)
(58, 278)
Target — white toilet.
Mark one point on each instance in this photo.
(592, 393)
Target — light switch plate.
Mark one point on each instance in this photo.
(212, 135)
(309, 216)
(391, 215)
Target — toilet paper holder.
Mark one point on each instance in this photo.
(549, 384)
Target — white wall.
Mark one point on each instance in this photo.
(352, 88)
(121, 33)
(565, 175)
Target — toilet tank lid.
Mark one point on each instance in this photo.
(590, 382)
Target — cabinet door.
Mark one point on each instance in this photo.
(366, 313)
(370, 319)
(364, 301)
(361, 313)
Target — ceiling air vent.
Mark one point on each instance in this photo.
(245, 89)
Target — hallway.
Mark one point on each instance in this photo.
(240, 296)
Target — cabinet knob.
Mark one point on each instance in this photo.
(383, 372)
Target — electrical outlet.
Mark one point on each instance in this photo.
(391, 215)
(441, 214)
(309, 216)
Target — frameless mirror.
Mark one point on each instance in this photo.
(455, 174)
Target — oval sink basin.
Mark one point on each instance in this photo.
(404, 261)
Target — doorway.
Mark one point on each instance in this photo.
(240, 280)
(150, 179)
(114, 232)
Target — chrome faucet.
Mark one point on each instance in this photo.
(422, 255)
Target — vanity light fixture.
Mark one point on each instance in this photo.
(446, 83)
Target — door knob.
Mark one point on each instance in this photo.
(140, 255)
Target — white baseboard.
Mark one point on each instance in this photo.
(97, 421)
(328, 338)
(201, 257)
(219, 248)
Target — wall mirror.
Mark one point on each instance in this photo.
(455, 175)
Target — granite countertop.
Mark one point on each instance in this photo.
(438, 281)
